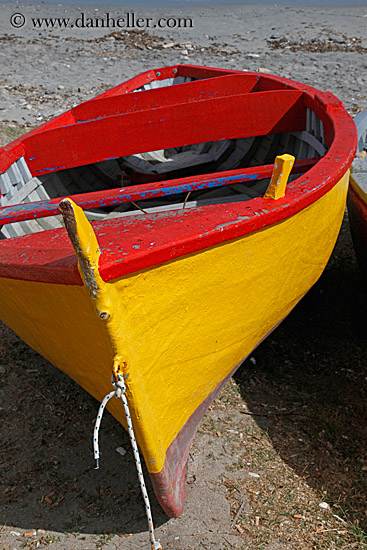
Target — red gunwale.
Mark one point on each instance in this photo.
(115, 196)
(193, 71)
(221, 86)
(129, 245)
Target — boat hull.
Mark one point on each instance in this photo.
(357, 212)
(357, 195)
(181, 328)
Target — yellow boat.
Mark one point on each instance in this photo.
(195, 248)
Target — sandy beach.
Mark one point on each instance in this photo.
(256, 480)
(44, 71)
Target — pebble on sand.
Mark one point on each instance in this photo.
(121, 451)
(324, 505)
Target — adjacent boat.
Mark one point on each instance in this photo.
(194, 254)
(357, 195)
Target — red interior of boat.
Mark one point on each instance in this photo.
(121, 122)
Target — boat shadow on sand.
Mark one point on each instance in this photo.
(309, 385)
(48, 475)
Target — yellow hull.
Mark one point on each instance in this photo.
(178, 329)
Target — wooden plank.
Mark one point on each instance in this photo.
(23, 169)
(14, 174)
(113, 197)
(170, 95)
(5, 183)
(23, 193)
(171, 126)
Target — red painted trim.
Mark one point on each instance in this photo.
(126, 134)
(160, 97)
(51, 261)
(164, 73)
(113, 197)
(10, 153)
(16, 149)
(133, 244)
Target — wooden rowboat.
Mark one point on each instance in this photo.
(194, 254)
(357, 195)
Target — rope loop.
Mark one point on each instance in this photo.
(119, 392)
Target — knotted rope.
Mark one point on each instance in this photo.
(119, 393)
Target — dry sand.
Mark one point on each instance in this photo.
(51, 495)
(44, 71)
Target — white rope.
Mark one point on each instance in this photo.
(119, 393)
(97, 425)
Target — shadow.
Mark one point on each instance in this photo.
(309, 385)
(47, 465)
